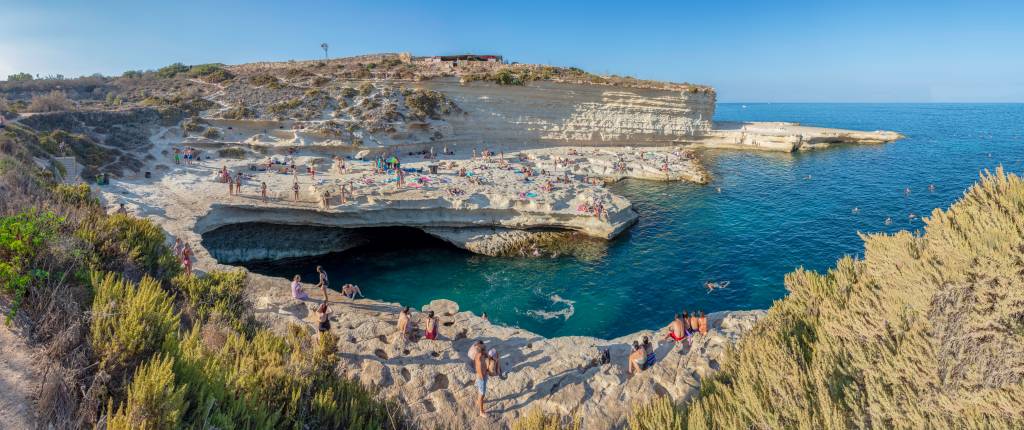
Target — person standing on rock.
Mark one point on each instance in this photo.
(430, 326)
(263, 191)
(238, 183)
(186, 259)
(178, 247)
(322, 285)
(480, 364)
(295, 191)
(702, 323)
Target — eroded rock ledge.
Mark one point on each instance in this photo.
(434, 378)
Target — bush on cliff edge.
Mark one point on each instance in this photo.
(926, 331)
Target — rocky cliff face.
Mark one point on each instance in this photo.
(573, 113)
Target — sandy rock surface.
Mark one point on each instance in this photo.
(564, 374)
(19, 380)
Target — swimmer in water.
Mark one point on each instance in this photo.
(906, 192)
(718, 190)
(931, 188)
(855, 210)
(807, 178)
(888, 220)
(711, 286)
(911, 216)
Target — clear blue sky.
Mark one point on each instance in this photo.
(906, 51)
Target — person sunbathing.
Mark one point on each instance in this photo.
(350, 291)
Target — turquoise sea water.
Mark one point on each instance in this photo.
(768, 220)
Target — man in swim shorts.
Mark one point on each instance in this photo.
(480, 363)
(676, 331)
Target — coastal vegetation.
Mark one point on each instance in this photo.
(131, 342)
(924, 331)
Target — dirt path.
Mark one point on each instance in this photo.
(18, 376)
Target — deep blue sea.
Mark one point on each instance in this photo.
(775, 213)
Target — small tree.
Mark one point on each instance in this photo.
(20, 77)
(324, 47)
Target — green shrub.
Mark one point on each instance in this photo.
(128, 245)
(271, 381)
(320, 81)
(536, 419)
(219, 294)
(366, 89)
(129, 322)
(348, 92)
(264, 80)
(659, 414)
(132, 74)
(154, 400)
(55, 101)
(231, 153)
(238, 112)
(154, 101)
(22, 238)
(212, 133)
(427, 103)
(507, 77)
(75, 195)
(923, 332)
(19, 77)
(192, 125)
(213, 73)
(171, 70)
(281, 107)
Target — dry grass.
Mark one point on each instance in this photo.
(924, 332)
(55, 101)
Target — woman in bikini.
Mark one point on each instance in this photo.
(186, 258)
(430, 327)
(323, 321)
(636, 359)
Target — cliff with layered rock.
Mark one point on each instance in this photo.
(577, 114)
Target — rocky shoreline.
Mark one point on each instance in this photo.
(562, 374)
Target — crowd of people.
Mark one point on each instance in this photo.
(683, 329)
